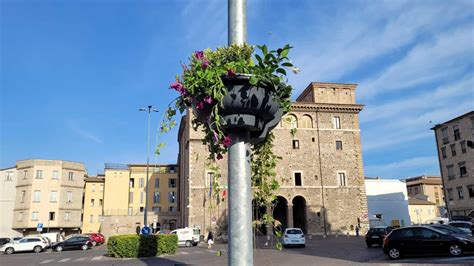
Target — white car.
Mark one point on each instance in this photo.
(464, 226)
(293, 237)
(187, 236)
(35, 244)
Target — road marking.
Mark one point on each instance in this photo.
(81, 259)
(183, 253)
(97, 258)
(46, 261)
(64, 260)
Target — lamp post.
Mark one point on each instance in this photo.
(149, 110)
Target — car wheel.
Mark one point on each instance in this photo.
(195, 244)
(188, 244)
(59, 248)
(455, 250)
(394, 253)
(94, 243)
(9, 251)
(37, 249)
(84, 247)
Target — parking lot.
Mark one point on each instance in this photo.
(321, 251)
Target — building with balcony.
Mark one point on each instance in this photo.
(321, 172)
(48, 192)
(454, 141)
(429, 188)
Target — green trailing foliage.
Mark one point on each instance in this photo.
(134, 246)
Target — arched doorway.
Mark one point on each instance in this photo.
(280, 211)
(257, 213)
(299, 213)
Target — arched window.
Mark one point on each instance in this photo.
(306, 122)
(290, 121)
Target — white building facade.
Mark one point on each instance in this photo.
(8, 179)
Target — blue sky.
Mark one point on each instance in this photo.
(74, 73)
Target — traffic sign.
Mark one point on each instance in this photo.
(146, 230)
(39, 227)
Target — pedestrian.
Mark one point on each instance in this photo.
(210, 240)
(357, 230)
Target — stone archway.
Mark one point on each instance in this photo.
(299, 213)
(280, 212)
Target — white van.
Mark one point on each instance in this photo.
(187, 236)
(53, 237)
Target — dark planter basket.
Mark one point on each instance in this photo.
(247, 107)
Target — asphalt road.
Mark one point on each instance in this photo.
(318, 251)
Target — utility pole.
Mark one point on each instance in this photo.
(240, 190)
(149, 110)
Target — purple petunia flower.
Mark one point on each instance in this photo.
(208, 99)
(231, 73)
(200, 105)
(227, 141)
(219, 156)
(205, 64)
(199, 55)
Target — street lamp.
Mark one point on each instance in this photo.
(149, 110)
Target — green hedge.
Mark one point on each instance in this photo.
(131, 246)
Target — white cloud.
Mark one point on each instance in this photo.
(76, 128)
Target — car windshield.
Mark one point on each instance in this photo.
(377, 231)
(294, 232)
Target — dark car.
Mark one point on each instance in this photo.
(448, 229)
(75, 242)
(425, 240)
(4, 240)
(375, 235)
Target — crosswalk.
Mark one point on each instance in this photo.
(102, 257)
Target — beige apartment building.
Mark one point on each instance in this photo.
(93, 204)
(124, 197)
(8, 178)
(454, 140)
(48, 192)
(421, 211)
(429, 188)
(321, 171)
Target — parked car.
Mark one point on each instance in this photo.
(449, 229)
(35, 244)
(187, 236)
(4, 240)
(96, 238)
(461, 218)
(424, 240)
(462, 225)
(293, 237)
(376, 234)
(75, 242)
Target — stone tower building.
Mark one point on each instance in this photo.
(321, 172)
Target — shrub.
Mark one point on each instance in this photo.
(130, 246)
(167, 244)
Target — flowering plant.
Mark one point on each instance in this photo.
(201, 86)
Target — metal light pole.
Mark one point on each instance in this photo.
(240, 190)
(149, 110)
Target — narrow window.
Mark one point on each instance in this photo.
(453, 149)
(156, 197)
(450, 194)
(450, 169)
(470, 189)
(53, 197)
(172, 182)
(92, 202)
(22, 196)
(70, 176)
(296, 144)
(462, 169)
(93, 187)
(336, 122)
(34, 216)
(298, 182)
(142, 209)
(52, 216)
(457, 133)
(101, 187)
(141, 182)
(338, 145)
(342, 179)
(37, 196)
(157, 182)
(55, 174)
(132, 182)
(443, 152)
(463, 146)
(444, 133)
(130, 197)
(172, 197)
(142, 197)
(460, 193)
(67, 216)
(39, 174)
(171, 209)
